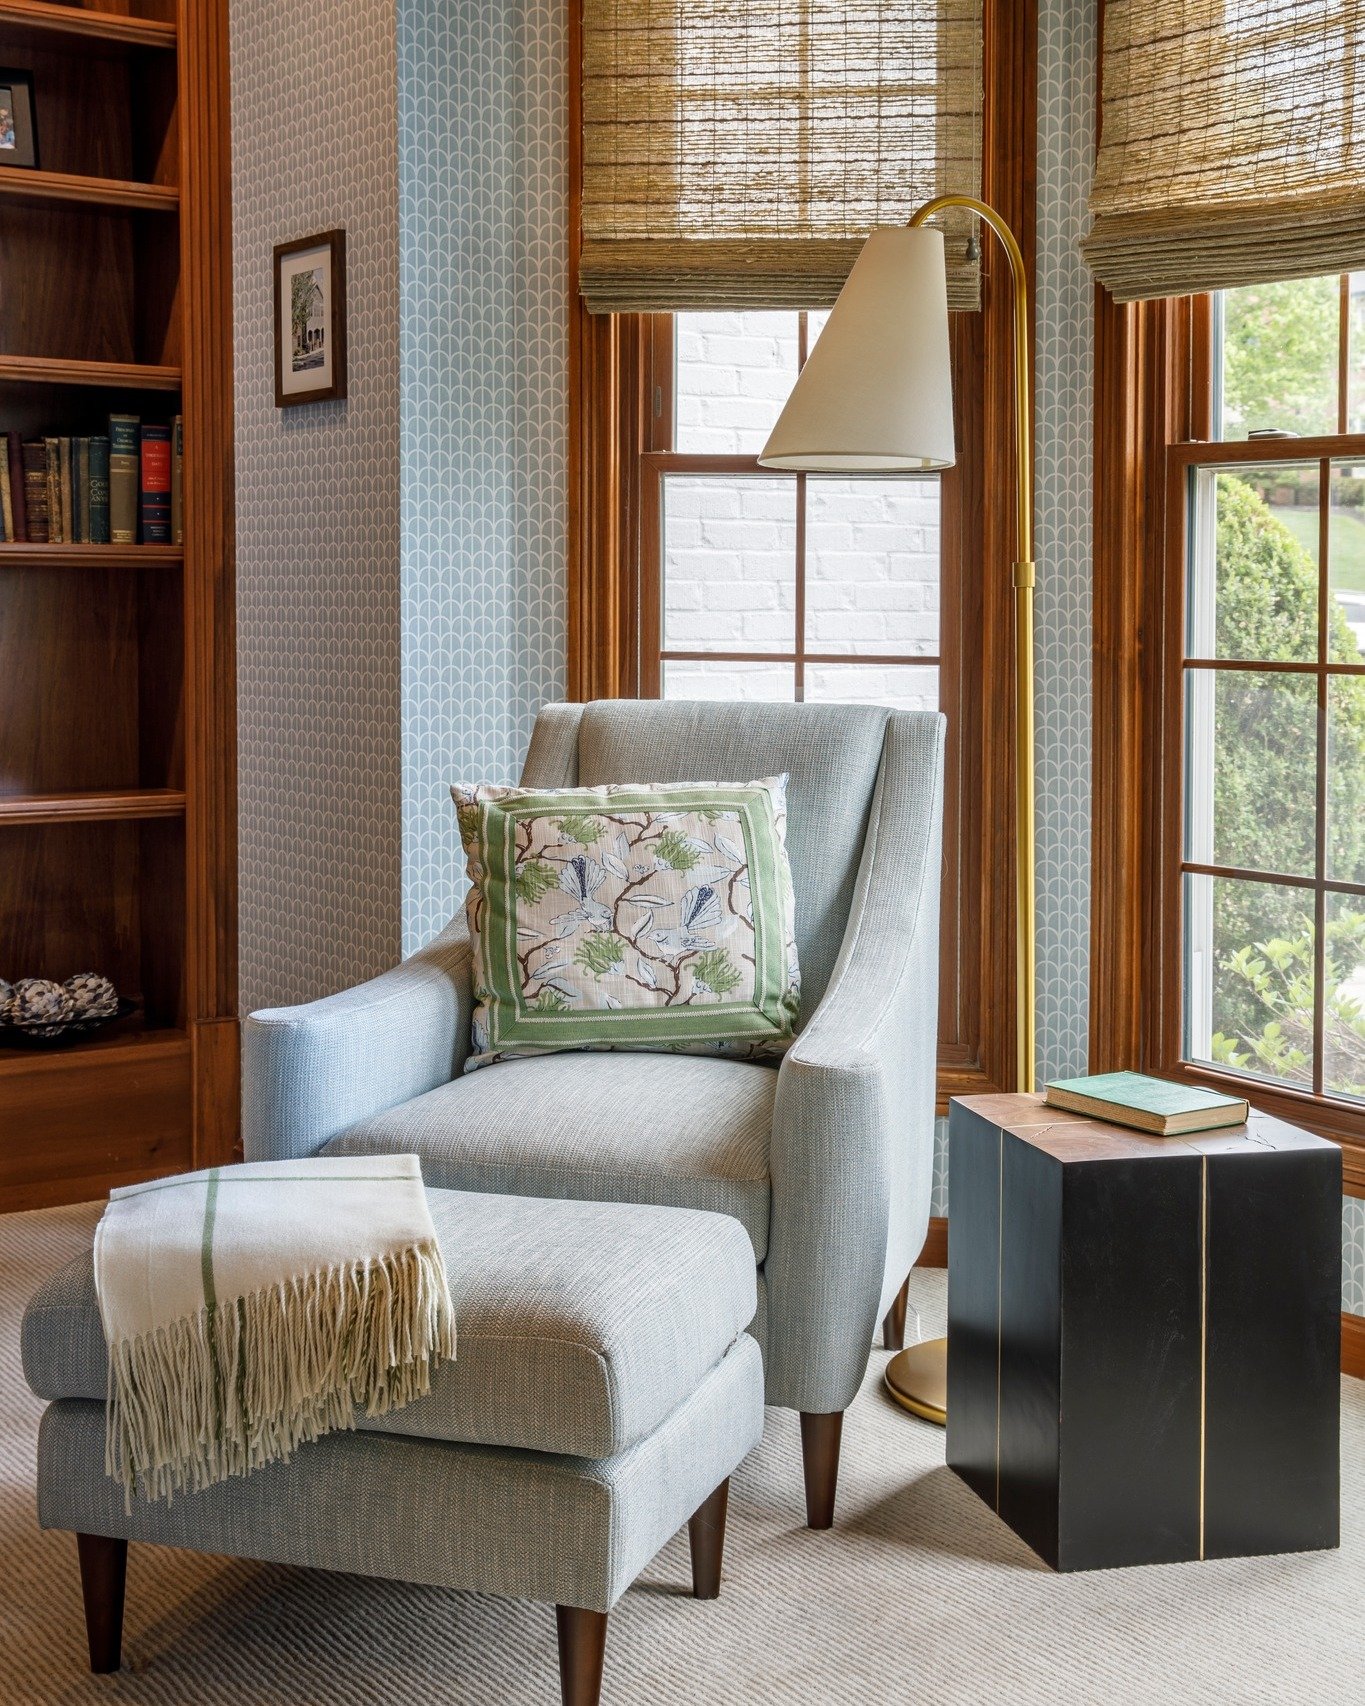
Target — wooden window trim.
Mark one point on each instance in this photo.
(613, 373)
(1152, 422)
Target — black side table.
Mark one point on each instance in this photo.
(1144, 1334)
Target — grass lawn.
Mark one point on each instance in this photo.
(1346, 542)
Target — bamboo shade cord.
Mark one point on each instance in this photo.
(1232, 145)
(736, 153)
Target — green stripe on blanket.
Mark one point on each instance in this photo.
(242, 1323)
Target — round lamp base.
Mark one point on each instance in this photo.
(917, 1378)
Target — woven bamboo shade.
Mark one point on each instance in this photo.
(1231, 149)
(736, 153)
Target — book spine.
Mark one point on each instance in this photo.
(68, 491)
(178, 480)
(52, 462)
(154, 505)
(15, 454)
(99, 491)
(80, 479)
(123, 430)
(35, 489)
(6, 503)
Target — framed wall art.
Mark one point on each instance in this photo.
(18, 132)
(310, 319)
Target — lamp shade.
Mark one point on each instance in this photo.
(875, 394)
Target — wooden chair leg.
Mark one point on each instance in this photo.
(582, 1645)
(820, 1437)
(893, 1327)
(706, 1536)
(104, 1569)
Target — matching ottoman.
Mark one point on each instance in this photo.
(604, 1389)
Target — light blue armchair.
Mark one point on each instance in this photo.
(826, 1159)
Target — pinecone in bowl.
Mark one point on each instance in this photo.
(40, 1007)
(93, 998)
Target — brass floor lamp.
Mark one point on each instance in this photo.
(875, 396)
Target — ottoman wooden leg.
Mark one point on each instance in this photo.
(893, 1326)
(582, 1644)
(104, 1567)
(820, 1436)
(706, 1535)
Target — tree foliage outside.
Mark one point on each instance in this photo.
(1264, 760)
(1280, 356)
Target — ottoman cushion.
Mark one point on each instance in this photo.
(581, 1326)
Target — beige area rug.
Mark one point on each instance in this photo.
(918, 1594)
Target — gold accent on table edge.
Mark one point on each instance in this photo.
(999, 1306)
(1203, 1334)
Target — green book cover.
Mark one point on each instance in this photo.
(1155, 1096)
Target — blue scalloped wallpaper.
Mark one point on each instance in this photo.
(483, 270)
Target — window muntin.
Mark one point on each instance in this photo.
(781, 586)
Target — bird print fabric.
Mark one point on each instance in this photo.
(630, 917)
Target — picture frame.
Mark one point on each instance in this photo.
(310, 319)
(18, 127)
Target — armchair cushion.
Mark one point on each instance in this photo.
(683, 1131)
(630, 917)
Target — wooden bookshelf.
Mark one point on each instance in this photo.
(90, 556)
(117, 693)
(72, 189)
(76, 26)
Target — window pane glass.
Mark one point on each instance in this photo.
(732, 375)
(1280, 360)
(1250, 769)
(1346, 778)
(1249, 977)
(1355, 366)
(729, 545)
(904, 687)
(872, 566)
(1346, 563)
(1343, 1052)
(1253, 589)
(723, 680)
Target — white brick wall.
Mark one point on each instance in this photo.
(872, 545)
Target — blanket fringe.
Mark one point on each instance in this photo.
(243, 1382)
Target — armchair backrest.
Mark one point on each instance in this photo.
(832, 754)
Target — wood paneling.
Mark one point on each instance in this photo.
(1353, 1345)
(92, 26)
(935, 1251)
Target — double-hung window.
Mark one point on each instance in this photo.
(764, 585)
(1263, 770)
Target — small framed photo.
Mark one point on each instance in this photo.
(310, 319)
(18, 133)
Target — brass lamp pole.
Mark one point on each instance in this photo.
(875, 396)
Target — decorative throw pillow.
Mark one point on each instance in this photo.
(630, 918)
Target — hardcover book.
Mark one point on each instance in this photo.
(6, 504)
(178, 480)
(66, 486)
(123, 452)
(80, 481)
(52, 463)
(14, 448)
(99, 491)
(35, 489)
(154, 493)
(1152, 1105)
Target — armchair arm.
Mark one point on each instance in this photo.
(853, 1123)
(309, 1072)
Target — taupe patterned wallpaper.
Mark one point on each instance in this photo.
(315, 122)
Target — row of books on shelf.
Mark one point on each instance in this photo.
(123, 488)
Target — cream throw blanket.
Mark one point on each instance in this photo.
(250, 1308)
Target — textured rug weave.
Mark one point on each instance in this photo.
(918, 1594)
